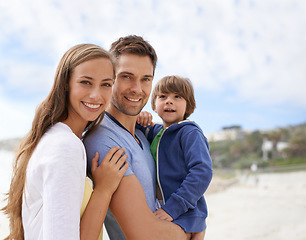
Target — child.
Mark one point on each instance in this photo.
(181, 152)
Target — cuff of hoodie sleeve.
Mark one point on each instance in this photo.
(173, 208)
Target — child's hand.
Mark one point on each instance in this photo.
(108, 175)
(145, 119)
(161, 214)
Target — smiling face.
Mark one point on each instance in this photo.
(90, 89)
(170, 107)
(133, 84)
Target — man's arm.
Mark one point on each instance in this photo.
(135, 218)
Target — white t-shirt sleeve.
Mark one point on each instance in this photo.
(63, 169)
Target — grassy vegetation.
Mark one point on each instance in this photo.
(286, 162)
(241, 153)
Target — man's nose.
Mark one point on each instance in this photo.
(136, 86)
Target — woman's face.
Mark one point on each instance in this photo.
(90, 89)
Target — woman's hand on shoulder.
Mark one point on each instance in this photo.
(145, 118)
(108, 175)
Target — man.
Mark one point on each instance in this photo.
(134, 201)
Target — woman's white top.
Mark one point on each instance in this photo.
(54, 186)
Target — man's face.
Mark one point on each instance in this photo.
(133, 84)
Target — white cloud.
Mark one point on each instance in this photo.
(254, 48)
(214, 42)
(273, 40)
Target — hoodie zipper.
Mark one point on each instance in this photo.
(157, 167)
(157, 158)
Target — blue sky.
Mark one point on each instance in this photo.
(246, 59)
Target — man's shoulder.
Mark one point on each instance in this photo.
(107, 133)
(106, 127)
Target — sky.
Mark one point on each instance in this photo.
(246, 59)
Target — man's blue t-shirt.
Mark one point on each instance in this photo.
(111, 133)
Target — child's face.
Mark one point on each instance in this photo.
(170, 107)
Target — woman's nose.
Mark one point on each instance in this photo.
(95, 94)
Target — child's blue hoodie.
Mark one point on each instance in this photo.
(184, 172)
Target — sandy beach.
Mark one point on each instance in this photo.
(265, 206)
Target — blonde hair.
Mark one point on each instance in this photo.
(52, 110)
(178, 85)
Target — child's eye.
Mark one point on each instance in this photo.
(177, 96)
(162, 96)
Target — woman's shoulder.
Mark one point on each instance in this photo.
(62, 133)
(60, 148)
(60, 138)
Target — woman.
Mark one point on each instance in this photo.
(47, 188)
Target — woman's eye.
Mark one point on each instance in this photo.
(107, 85)
(85, 82)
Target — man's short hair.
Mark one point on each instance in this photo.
(133, 44)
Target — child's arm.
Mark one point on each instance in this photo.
(198, 235)
(144, 119)
(161, 214)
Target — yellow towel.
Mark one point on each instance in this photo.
(87, 193)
